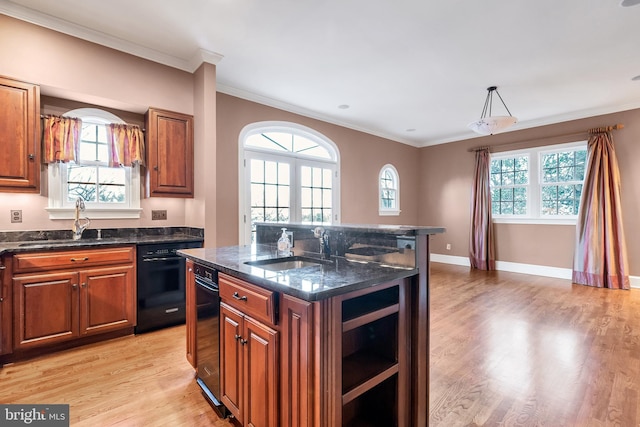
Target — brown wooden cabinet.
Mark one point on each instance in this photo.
(248, 353)
(169, 153)
(61, 296)
(6, 309)
(19, 136)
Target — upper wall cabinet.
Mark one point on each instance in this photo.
(19, 136)
(169, 153)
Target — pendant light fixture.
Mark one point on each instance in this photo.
(488, 124)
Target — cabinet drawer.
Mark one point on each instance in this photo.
(46, 261)
(252, 300)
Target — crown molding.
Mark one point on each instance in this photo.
(60, 25)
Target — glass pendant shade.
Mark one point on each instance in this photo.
(492, 124)
(488, 124)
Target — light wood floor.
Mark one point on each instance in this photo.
(506, 350)
(519, 350)
(142, 380)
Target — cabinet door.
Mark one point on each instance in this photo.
(45, 309)
(170, 153)
(191, 314)
(231, 372)
(6, 311)
(297, 364)
(19, 136)
(107, 299)
(260, 374)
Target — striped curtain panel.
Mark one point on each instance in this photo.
(481, 243)
(126, 144)
(600, 257)
(61, 139)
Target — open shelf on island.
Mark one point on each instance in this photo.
(375, 408)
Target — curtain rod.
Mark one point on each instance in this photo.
(44, 116)
(591, 131)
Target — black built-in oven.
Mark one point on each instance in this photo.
(208, 335)
(161, 285)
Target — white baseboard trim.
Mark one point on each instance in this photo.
(515, 267)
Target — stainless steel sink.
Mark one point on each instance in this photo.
(290, 263)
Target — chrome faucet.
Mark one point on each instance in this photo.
(77, 227)
(325, 248)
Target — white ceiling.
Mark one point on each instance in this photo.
(414, 71)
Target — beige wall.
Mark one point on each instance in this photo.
(446, 177)
(362, 157)
(72, 69)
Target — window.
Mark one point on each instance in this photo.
(290, 174)
(543, 183)
(108, 192)
(389, 191)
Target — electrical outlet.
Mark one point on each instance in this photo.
(158, 214)
(16, 216)
(448, 246)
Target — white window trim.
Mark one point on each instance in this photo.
(384, 211)
(297, 159)
(56, 190)
(534, 215)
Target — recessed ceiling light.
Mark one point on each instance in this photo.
(343, 106)
(627, 3)
(636, 78)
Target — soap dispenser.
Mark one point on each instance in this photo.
(284, 245)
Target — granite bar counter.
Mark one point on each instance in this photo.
(338, 275)
(29, 241)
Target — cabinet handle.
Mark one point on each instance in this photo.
(80, 259)
(32, 156)
(243, 342)
(2, 267)
(1, 299)
(237, 337)
(74, 286)
(238, 297)
(155, 168)
(83, 285)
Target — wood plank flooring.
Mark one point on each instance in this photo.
(142, 380)
(506, 350)
(518, 350)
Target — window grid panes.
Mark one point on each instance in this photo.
(91, 178)
(270, 192)
(388, 190)
(509, 182)
(562, 178)
(316, 195)
(289, 143)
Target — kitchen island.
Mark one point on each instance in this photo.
(309, 341)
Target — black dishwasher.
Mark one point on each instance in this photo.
(208, 335)
(161, 285)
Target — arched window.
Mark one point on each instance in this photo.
(288, 173)
(109, 192)
(389, 191)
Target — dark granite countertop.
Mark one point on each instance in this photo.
(38, 245)
(308, 283)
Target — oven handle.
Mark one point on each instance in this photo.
(156, 259)
(208, 285)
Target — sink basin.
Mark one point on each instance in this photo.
(290, 263)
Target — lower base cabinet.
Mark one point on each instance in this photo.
(61, 305)
(248, 368)
(341, 361)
